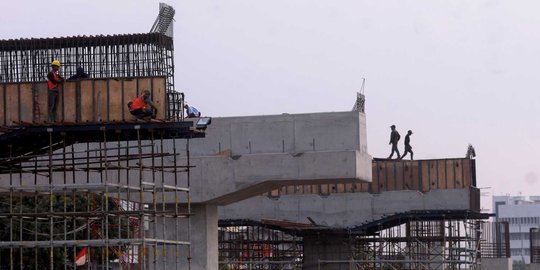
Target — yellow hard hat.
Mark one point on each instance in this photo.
(56, 63)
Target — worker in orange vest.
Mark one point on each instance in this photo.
(142, 106)
(53, 82)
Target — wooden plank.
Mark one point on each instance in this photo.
(451, 183)
(70, 102)
(130, 93)
(441, 174)
(390, 176)
(416, 181)
(87, 101)
(115, 101)
(26, 102)
(467, 176)
(325, 189)
(3, 104)
(12, 104)
(158, 96)
(341, 188)
(376, 184)
(458, 173)
(407, 175)
(433, 177)
(100, 98)
(398, 176)
(424, 175)
(40, 98)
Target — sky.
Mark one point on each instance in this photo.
(454, 72)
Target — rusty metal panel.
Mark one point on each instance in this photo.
(12, 104)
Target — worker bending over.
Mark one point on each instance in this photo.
(142, 106)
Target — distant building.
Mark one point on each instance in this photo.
(522, 213)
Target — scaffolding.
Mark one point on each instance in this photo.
(245, 244)
(120, 193)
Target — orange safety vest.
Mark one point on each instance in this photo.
(139, 103)
(50, 83)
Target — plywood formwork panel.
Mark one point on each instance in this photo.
(3, 104)
(390, 176)
(12, 104)
(451, 182)
(433, 175)
(26, 103)
(458, 176)
(70, 102)
(467, 177)
(86, 101)
(425, 176)
(441, 174)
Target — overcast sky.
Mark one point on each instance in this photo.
(454, 72)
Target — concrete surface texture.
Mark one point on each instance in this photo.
(246, 156)
(343, 210)
(497, 264)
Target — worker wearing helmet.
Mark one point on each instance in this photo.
(142, 106)
(53, 82)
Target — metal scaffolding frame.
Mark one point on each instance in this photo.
(245, 244)
(121, 193)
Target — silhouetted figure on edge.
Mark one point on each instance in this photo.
(408, 147)
(394, 139)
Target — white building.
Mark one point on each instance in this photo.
(521, 213)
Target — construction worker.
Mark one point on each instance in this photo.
(142, 106)
(53, 82)
(394, 139)
(192, 111)
(79, 74)
(408, 147)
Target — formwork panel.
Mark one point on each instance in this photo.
(69, 95)
(87, 101)
(12, 104)
(40, 103)
(26, 103)
(441, 174)
(116, 106)
(467, 181)
(408, 175)
(458, 176)
(451, 183)
(158, 94)
(398, 176)
(130, 92)
(390, 176)
(3, 105)
(433, 176)
(426, 177)
(100, 94)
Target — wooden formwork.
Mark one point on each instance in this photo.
(81, 101)
(389, 175)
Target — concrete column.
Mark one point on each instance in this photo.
(497, 264)
(204, 239)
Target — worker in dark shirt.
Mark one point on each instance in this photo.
(408, 147)
(53, 83)
(394, 138)
(142, 106)
(79, 74)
